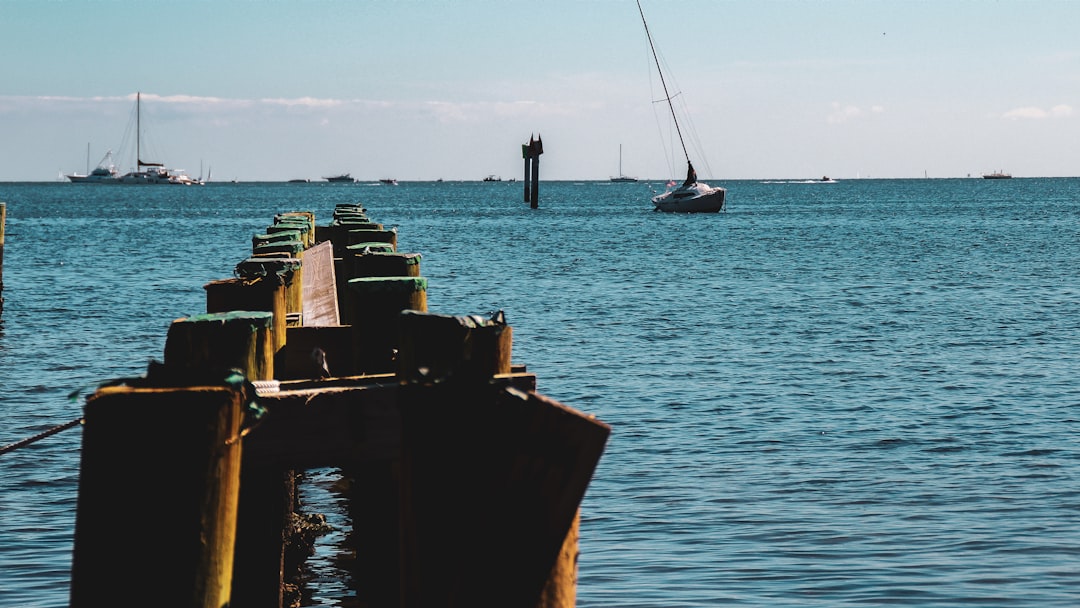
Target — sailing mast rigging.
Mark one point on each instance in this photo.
(138, 134)
(667, 96)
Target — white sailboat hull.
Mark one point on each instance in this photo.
(695, 198)
(93, 179)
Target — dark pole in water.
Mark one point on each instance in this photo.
(528, 166)
(531, 152)
(3, 219)
(537, 149)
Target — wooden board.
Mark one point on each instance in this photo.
(320, 286)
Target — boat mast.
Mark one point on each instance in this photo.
(138, 130)
(661, 72)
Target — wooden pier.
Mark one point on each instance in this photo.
(463, 482)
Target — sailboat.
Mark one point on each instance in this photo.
(148, 172)
(692, 196)
(621, 177)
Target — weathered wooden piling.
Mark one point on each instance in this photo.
(240, 340)
(492, 477)
(3, 222)
(531, 153)
(302, 221)
(369, 246)
(355, 236)
(372, 263)
(286, 270)
(376, 312)
(158, 490)
(274, 237)
(262, 293)
(291, 249)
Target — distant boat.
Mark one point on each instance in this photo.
(389, 181)
(825, 179)
(147, 173)
(622, 178)
(999, 174)
(299, 181)
(105, 173)
(492, 178)
(344, 177)
(692, 196)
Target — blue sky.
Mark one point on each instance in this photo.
(414, 90)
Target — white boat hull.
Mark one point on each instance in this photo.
(93, 179)
(696, 198)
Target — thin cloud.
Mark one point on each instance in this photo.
(842, 113)
(305, 102)
(1037, 113)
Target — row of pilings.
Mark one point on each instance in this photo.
(463, 483)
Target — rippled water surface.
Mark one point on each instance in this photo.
(858, 393)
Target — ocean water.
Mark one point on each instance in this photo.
(860, 393)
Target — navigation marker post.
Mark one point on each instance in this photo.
(531, 153)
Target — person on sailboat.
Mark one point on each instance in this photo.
(691, 175)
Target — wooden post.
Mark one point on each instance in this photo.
(532, 151)
(305, 217)
(372, 262)
(274, 237)
(3, 221)
(376, 309)
(435, 347)
(262, 293)
(560, 590)
(158, 491)
(302, 221)
(292, 249)
(492, 476)
(366, 235)
(215, 342)
(528, 165)
(537, 150)
(286, 270)
(384, 264)
(369, 247)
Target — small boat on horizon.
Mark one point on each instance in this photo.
(492, 178)
(389, 181)
(105, 172)
(999, 174)
(620, 178)
(344, 177)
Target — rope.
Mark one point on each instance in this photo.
(25, 442)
